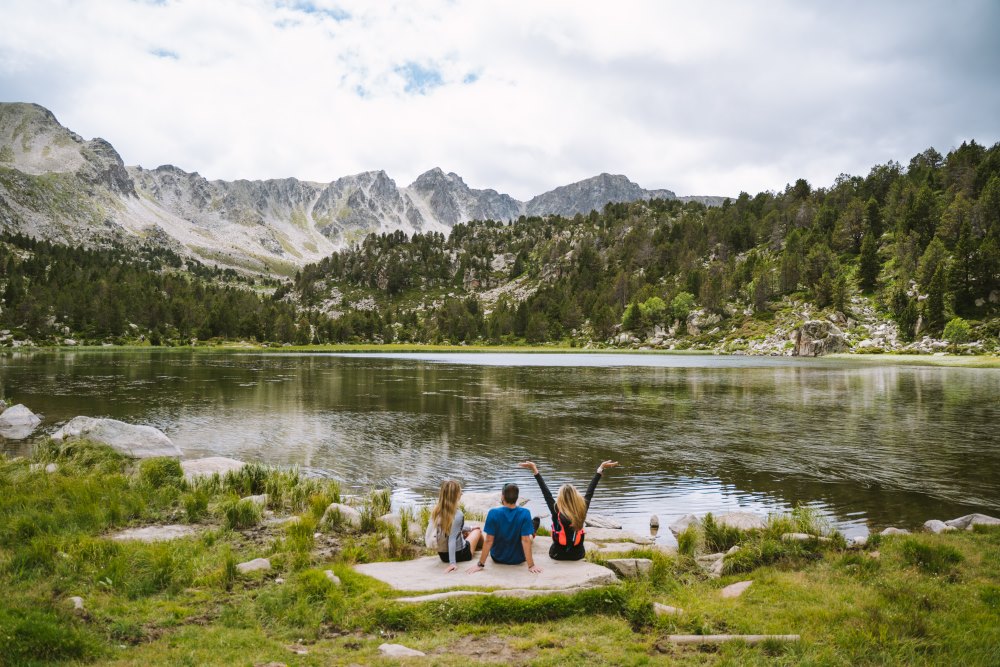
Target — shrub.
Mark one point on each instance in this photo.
(161, 471)
(687, 541)
(240, 514)
(719, 537)
(931, 558)
(957, 331)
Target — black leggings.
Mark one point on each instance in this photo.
(461, 555)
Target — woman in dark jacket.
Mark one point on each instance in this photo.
(569, 512)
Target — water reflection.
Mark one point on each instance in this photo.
(862, 443)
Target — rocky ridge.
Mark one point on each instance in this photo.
(56, 185)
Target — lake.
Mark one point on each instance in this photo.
(868, 444)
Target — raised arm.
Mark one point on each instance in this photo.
(597, 478)
(549, 500)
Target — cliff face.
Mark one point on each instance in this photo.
(56, 185)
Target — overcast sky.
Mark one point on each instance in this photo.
(698, 97)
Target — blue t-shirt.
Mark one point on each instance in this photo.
(508, 525)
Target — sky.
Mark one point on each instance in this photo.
(703, 98)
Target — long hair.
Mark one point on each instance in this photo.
(444, 512)
(572, 505)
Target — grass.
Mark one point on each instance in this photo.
(926, 599)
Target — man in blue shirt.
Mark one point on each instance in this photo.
(509, 532)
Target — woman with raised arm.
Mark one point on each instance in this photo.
(569, 512)
(455, 542)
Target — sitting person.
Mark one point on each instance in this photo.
(449, 520)
(509, 532)
(569, 512)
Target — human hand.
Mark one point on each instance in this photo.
(450, 568)
(530, 466)
(534, 569)
(607, 464)
(474, 569)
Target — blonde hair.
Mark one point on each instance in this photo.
(444, 512)
(572, 505)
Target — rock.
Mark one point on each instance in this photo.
(698, 320)
(681, 524)
(598, 521)
(208, 466)
(399, 651)
(735, 590)
(895, 531)
(818, 337)
(936, 526)
(138, 442)
(741, 520)
(803, 537)
(332, 577)
(269, 664)
(427, 574)
(255, 565)
(348, 515)
(654, 521)
(279, 580)
(51, 468)
(968, 521)
(69, 341)
(733, 549)
(614, 535)
(18, 415)
(630, 568)
(708, 560)
(666, 610)
(299, 649)
(857, 542)
(155, 533)
(260, 499)
(77, 603)
(615, 547)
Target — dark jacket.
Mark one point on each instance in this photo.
(570, 551)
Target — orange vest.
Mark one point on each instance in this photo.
(559, 534)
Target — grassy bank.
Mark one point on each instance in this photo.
(921, 599)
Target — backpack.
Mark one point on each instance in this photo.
(434, 538)
(560, 537)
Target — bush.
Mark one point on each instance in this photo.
(240, 514)
(161, 471)
(957, 331)
(931, 558)
(719, 537)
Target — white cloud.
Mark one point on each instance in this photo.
(701, 98)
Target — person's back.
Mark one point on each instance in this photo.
(508, 525)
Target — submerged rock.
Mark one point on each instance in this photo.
(598, 521)
(135, 441)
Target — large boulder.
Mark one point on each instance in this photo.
(741, 520)
(936, 526)
(18, 422)
(969, 521)
(138, 442)
(680, 525)
(818, 337)
(338, 513)
(630, 568)
(598, 521)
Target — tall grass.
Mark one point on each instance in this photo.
(240, 514)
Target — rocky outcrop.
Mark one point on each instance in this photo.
(970, 521)
(630, 568)
(138, 442)
(818, 337)
(591, 194)
(18, 422)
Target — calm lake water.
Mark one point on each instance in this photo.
(869, 445)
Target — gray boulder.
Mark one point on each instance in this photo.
(735, 590)
(18, 422)
(630, 568)
(818, 337)
(255, 565)
(936, 526)
(891, 530)
(741, 520)
(969, 521)
(413, 526)
(138, 442)
(681, 524)
(598, 521)
(348, 515)
(666, 610)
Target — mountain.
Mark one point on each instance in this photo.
(56, 185)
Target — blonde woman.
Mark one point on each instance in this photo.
(569, 512)
(455, 543)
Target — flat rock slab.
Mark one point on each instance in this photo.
(616, 547)
(502, 593)
(155, 533)
(735, 590)
(399, 651)
(969, 521)
(613, 535)
(427, 574)
(255, 565)
(208, 466)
